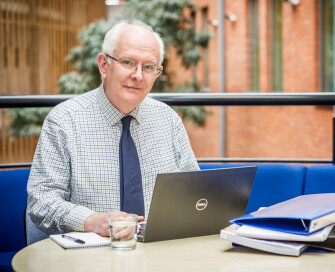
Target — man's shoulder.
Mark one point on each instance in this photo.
(153, 104)
(157, 111)
(78, 103)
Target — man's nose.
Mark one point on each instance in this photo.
(138, 73)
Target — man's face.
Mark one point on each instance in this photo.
(126, 88)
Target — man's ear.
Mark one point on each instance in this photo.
(102, 63)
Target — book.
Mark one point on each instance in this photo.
(260, 233)
(300, 215)
(277, 247)
(91, 239)
(328, 244)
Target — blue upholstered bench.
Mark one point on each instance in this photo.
(13, 202)
(273, 183)
(319, 179)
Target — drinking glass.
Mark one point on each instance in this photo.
(123, 231)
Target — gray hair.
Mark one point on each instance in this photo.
(112, 37)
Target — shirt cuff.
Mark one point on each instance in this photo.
(75, 220)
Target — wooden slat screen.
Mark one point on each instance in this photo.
(35, 37)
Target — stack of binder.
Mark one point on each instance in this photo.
(289, 228)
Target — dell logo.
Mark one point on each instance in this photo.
(201, 204)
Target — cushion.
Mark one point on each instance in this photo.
(273, 183)
(6, 260)
(13, 196)
(320, 179)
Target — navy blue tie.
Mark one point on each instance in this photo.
(131, 193)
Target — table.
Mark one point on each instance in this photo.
(207, 253)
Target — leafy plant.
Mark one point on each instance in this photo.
(27, 121)
(195, 115)
(167, 17)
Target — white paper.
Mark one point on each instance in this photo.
(259, 233)
(278, 247)
(91, 240)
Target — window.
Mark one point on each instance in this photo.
(194, 69)
(254, 45)
(327, 45)
(204, 12)
(276, 46)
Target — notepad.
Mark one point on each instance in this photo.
(91, 240)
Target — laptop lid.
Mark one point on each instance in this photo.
(197, 203)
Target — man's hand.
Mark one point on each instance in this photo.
(99, 224)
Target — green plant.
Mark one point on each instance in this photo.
(27, 121)
(167, 17)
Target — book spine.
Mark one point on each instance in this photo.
(322, 222)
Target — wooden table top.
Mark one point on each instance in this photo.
(207, 253)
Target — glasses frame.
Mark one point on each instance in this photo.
(158, 69)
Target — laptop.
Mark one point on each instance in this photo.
(197, 203)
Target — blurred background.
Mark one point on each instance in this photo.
(259, 46)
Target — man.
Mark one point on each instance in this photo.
(79, 172)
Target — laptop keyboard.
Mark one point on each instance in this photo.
(142, 229)
(140, 234)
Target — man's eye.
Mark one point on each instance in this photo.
(148, 68)
(128, 63)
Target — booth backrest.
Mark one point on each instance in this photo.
(278, 182)
(273, 183)
(320, 179)
(13, 197)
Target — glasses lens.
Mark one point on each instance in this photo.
(148, 68)
(128, 64)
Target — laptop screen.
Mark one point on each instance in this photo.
(188, 204)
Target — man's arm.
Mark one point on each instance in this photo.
(187, 159)
(49, 185)
(98, 222)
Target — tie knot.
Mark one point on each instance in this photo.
(126, 122)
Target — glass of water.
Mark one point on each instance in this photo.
(123, 231)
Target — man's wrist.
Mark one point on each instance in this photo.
(76, 218)
(89, 223)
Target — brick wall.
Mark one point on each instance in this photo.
(285, 131)
(280, 131)
(205, 141)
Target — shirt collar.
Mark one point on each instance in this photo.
(112, 115)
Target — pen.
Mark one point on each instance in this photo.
(73, 239)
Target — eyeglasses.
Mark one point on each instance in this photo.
(131, 64)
